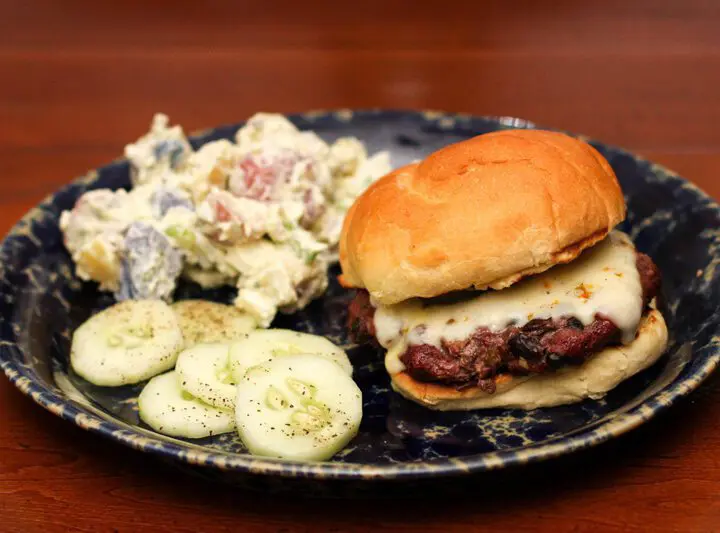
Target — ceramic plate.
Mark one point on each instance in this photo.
(41, 302)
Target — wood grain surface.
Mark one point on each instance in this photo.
(79, 79)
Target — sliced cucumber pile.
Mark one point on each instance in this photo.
(302, 407)
(126, 343)
(263, 345)
(203, 372)
(204, 321)
(166, 408)
(290, 394)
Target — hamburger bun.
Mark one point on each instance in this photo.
(593, 379)
(482, 213)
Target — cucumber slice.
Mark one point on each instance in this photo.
(302, 407)
(203, 372)
(168, 410)
(264, 344)
(126, 343)
(204, 321)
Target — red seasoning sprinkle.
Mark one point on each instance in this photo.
(581, 291)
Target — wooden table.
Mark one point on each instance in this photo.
(79, 79)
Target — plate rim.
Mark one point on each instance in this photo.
(65, 407)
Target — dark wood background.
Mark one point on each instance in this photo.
(79, 79)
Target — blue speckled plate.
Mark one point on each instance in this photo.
(41, 302)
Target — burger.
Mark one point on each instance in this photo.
(492, 275)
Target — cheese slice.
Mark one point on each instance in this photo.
(604, 281)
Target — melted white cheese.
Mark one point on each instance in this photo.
(603, 281)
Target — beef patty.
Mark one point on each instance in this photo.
(539, 346)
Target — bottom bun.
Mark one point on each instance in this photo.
(593, 379)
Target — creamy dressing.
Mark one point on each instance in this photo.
(602, 281)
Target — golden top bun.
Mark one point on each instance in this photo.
(480, 214)
(593, 379)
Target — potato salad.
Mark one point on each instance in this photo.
(262, 213)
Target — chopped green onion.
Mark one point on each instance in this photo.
(310, 257)
(183, 236)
